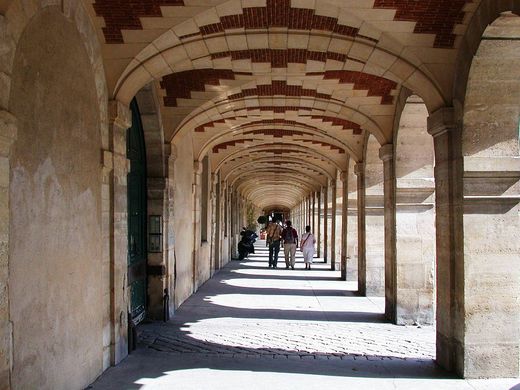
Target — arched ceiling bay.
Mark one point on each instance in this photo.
(281, 93)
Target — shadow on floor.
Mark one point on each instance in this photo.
(168, 349)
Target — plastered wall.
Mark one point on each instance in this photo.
(55, 253)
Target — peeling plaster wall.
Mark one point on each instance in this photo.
(183, 219)
(56, 284)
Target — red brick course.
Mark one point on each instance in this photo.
(279, 58)
(345, 124)
(433, 17)
(124, 15)
(276, 133)
(223, 146)
(180, 85)
(279, 13)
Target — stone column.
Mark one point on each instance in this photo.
(333, 226)
(344, 223)
(169, 233)
(307, 212)
(325, 222)
(120, 119)
(386, 153)
(8, 133)
(216, 240)
(313, 212)
(359, 170)
(449, 248)
(318, 232)
(197, 185)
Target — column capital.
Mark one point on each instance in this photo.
(171, 151)
(197, 167)
(332, 182)
(343, 176)
(386, 152)
(119, 114)
(8, 132)
(359, 168)
(441, 121)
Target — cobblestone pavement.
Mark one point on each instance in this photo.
(289, 328)
(299, 290)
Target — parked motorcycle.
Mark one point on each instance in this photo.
(246, 244)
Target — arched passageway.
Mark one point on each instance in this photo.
(389, 128)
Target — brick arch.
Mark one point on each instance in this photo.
(182, 84)
(160, 60)
(274, 186)
(157, 67)
(278, 149)
(306, 164)
(356, 120)
(277, 129)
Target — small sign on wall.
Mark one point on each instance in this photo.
(155, 233)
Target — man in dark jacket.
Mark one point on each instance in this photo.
(290, 242)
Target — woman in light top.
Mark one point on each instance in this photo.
(307, 246)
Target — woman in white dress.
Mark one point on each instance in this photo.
(307, 247)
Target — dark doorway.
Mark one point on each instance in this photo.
(136, 180)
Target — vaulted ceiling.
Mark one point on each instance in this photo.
(281, 93)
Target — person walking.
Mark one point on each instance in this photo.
(290, 242)
(307, 246)
(273, 235)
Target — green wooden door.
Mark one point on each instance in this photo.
(136, 180)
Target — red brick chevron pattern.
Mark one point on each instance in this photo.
(279, 58)
(276, 133)
(332, 147)
(344, 123)
(279, 13)
(375, 85)
(180, 85)
(278, 87)
(124, 15)
(277, 122)
(433, 17)
(225, 145)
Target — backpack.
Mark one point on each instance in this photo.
(289, 236)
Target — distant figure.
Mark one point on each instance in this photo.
(307, 247)
(273, 233)
(290, 242)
